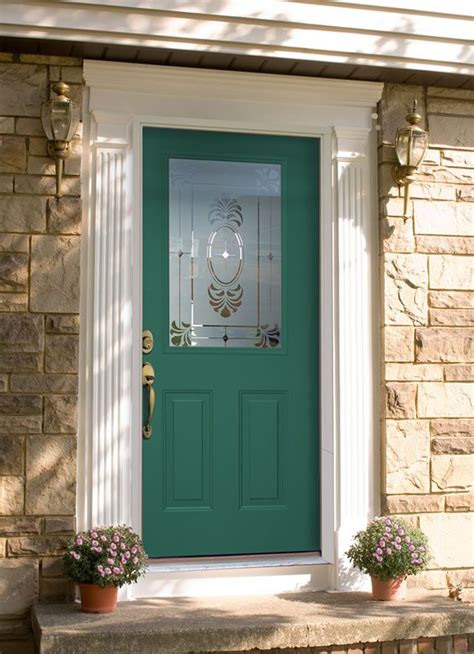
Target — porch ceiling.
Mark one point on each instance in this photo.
(238, 62)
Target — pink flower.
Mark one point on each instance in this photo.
(79, 540)
(103, 538)
(379, 558)
(422, 549)
(381, 543)
(110, 561)
(407, 539)
(76, 555)
(411, 548)
(398, 546)
(117, 571)
(95, 543)
(378, 551)
(113, 546)
(398, 539)
(387, 521)
(97, 549)
(122, 546)
(100, 567)
(134, 550)
(116, 538)
(108, 571)
(401, 532)
(388, 551)
(127, 555)
(135, 560)
(93, 533)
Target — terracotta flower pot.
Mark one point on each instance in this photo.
(392, 589)
(98, 599)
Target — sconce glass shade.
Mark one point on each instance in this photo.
(411, 145)
(60, 116)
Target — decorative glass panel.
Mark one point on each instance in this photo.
(224, 254)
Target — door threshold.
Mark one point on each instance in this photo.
(236, 562)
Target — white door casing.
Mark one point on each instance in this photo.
(120, 100)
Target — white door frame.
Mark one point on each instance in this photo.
(120, 100)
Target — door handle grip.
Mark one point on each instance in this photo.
(148, 379)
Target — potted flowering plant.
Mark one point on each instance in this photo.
(389, 550)
(100, 561)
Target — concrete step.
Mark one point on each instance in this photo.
(240, 624)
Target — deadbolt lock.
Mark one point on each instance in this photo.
(147, 341)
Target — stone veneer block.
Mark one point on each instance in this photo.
(406, 280)
(441, 400)
(44, 383)
(454, 131)
(36, 545)
(42, 185)
(12, 526)
(21, 362)
(21, 333)
(64, 215)
(60, 414)
(444, 344)
(448, 272)
(13, 272)
(462, 158)
(407, 457)
(57, 324)
(19, 587)
(413, 503)
(13, 302)
(443, 218)
(453, 445)
(459, 373)
(451, 473)
(399, 343)
(444, 244)
(29, 126)
(400, 400)
(11, 495)
(55, 274)
(396, 102)
(460, 502)
(50, 475)
(454, 317)
(397, 235)
(451, 299)
(11, 455)
(453, 428)
(22, 213)
(450, 537)
(413, 372)
(27, 88)
(12, 154)
(14, 243)
(61, 353)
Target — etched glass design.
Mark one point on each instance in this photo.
(224, 254)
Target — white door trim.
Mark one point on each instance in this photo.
(121, 99)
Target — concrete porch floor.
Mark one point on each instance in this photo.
(234, 624)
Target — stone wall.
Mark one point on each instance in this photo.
(39, 322)
(427, 330)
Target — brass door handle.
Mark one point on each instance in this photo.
(148, 379)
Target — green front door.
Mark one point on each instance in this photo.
(231, 294)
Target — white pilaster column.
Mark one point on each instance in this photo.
(357, 364)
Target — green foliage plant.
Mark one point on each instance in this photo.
(105, 556)
(389, 549)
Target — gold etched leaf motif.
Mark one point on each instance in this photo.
(226, 210)
(181, 334)
(225, 301)
(268, 336)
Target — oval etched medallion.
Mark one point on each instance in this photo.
(225, 255)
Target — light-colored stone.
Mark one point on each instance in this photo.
(13, 272)
(407, 457)
(13, 526)
(72, 166)
(453, 428)
(20, 424)
(413, 372)
(21, 333)
(64, 215)
(19, 587)
(72, 74)
(458, 107)
(405, 291)
(447, 272)
(50, 475)
(451, 299)
(453, 317)
(387, 186)
(451, 538)
(13, 302)
(465, 193)
(21, 405)
(444, 175)
(460, 502)
(440, 92)
(21, 361)
(443, 218)
(399, 343)
(452, 472)
(429, 191)
(396, 103)
(450, 445)
(37, 184)
(11, 455)
(461, 158)
(29, 127)
(36, 545)
(448, 344)
(14, 243)
(396, 235)
(400, 400)
(7, 124)
(11, 496)
(61, 353)
(465, 577)
(60, 414)
(50, 60)
(27, 89)
(43, 383)
(394, 207)
(6, 183)
(459, 373)
(22, 213)
(452, 131)
(440, 400)
(52, 567)
(3, 383)
(413, 503)
(59, 525)
(38, 146)
(12, 154)
(41, 166)
(428, 579)
(444, 244)
(57, 324)
(55, 273)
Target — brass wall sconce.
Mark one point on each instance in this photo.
(411, 143)
(60, 118)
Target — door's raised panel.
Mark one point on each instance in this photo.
(263, 442)
(187, 434)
